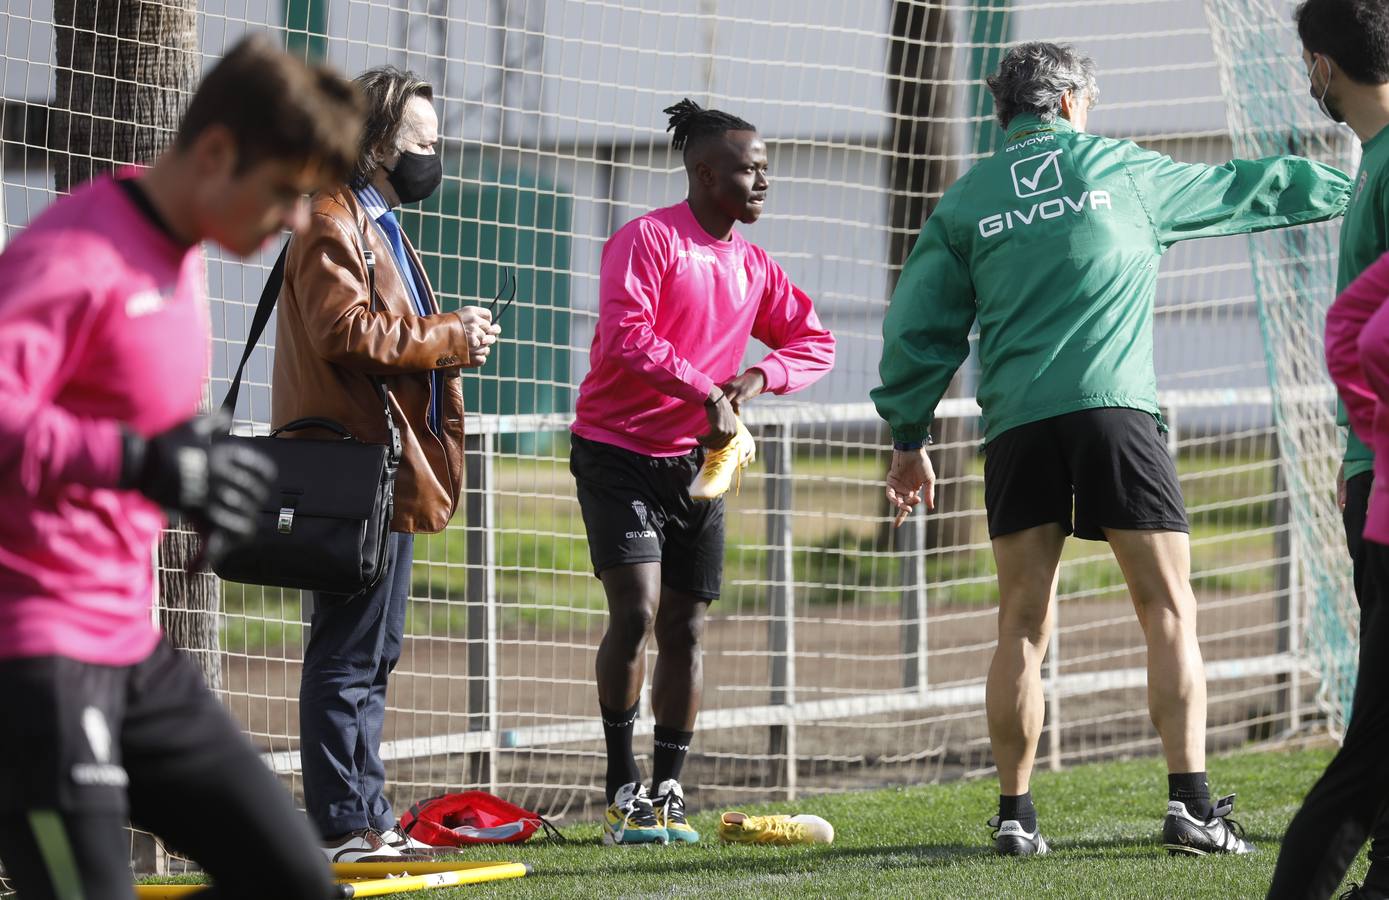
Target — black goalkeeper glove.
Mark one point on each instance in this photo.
(217, 486)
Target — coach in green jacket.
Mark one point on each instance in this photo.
(1053, 244)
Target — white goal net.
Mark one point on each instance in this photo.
(842, 653)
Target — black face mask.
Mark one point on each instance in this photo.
(416, 175)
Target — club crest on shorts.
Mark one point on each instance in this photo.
(101, 773)
(644, 531)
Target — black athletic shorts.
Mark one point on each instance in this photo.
(70, 727)
(87, 747)
(1109, 465)
(637, 509)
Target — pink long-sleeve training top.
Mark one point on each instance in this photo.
(103, 321)
(676, 307)
(1357, 355)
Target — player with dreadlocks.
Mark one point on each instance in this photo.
(656, 440)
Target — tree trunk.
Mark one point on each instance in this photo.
(125, 69)
(920, 69)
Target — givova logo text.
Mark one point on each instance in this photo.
(1055, 208)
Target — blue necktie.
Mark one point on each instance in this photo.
(402, 260)
(389, 225)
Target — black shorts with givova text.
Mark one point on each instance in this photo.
(1110, 466)
(637, 509)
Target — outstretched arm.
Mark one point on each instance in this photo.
(1194, 200)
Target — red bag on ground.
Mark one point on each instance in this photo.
(472, 817)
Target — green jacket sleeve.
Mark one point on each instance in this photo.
(925, 332)
(1195, 200)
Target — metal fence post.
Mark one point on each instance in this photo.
(1284, 588)
(481, 603)
(777, 452)
(911, 537)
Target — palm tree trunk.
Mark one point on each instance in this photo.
(125, 69)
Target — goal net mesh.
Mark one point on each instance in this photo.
(842, 653)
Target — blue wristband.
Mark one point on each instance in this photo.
(908, 445)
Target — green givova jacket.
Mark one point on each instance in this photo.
(1053, 245)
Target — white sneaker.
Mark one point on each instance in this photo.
(366, 845)
(408, 846)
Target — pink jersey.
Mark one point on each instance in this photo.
(676, 307)
(103, 321)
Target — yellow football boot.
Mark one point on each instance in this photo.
(716, 476)
(740, 828)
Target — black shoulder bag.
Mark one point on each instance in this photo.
(326, 523)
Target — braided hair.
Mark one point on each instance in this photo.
(693, 124)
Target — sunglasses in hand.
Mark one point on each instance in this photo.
(508, 289)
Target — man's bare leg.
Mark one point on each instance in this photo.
(1157, 568)
(1027, 566)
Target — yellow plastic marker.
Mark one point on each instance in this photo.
(387, 878)
(395, 869)
(403, 884)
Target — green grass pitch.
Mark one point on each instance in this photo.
(931, 841)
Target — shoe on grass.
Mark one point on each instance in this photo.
(741, 828)
(1184, 833)
(411, 848)
(670, 812)
(1011, 839)
(631, 820)
(365, 845)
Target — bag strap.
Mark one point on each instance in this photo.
(268, 296)
(551, 831)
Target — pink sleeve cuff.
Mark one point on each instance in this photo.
(775, 375)
(701, 386)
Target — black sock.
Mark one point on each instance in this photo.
(1018, 809)
(1192, 789)
(669, 759)
(617, 732)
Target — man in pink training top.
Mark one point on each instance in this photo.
(1338, 813)
(680, 293)
(104, 351)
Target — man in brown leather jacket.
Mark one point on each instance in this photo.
(335, 337)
